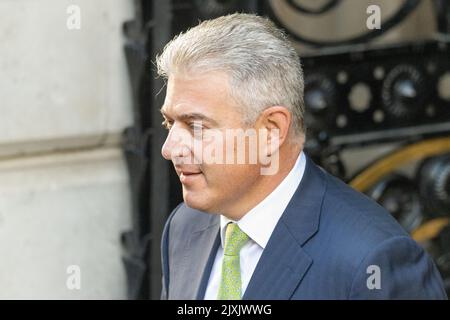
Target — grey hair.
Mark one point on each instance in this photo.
(263, 66)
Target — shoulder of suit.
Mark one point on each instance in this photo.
(355, 217)
(184, 218)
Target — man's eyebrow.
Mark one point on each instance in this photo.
(192, 116)
(196, 116)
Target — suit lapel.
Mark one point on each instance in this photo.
(280, 268)
(201, 248)
(284, 262)
(207, 261)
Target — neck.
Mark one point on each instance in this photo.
(264, 185)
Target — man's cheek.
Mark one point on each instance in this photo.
(213, 148)
(215, 176)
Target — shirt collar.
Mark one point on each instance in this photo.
(260, 221)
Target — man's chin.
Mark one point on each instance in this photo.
(197, 202)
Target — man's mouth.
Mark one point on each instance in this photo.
(188, 177)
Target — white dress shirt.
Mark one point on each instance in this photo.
(258, 224)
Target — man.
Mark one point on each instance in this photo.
(290, 232)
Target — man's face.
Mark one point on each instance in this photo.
(202, 102)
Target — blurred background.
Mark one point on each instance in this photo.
(84, 191)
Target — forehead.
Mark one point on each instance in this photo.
(208, 93)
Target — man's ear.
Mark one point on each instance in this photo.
(276, 120)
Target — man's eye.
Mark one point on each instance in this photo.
(195, 126)
(167, 124)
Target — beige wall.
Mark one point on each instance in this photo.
(64, 101)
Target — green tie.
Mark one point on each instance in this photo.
(230, 285)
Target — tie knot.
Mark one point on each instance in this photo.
(235, 239)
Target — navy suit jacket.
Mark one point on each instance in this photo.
(324, 246)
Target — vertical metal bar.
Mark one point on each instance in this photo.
(159, 185)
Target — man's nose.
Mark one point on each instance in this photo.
(166, 149)
(175, 145)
